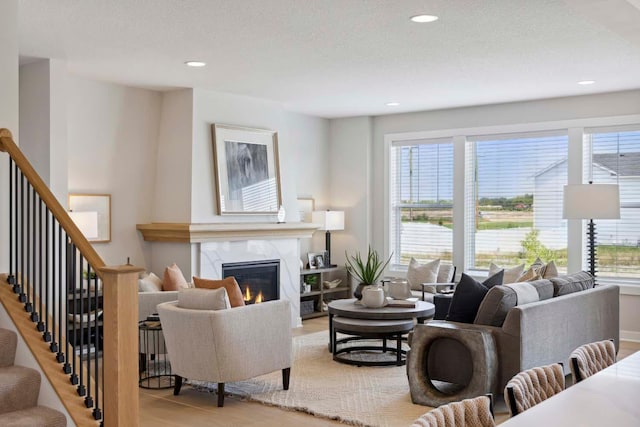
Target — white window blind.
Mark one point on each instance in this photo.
(613, 157)
(514, 203)
(421, 197)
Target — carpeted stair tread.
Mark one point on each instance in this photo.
(35, 416)
(19, 388)
(8, 343)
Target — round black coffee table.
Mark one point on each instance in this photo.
(358, 320)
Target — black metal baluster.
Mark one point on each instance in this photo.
(84, 311)
(67, 285)
(27, 305)
(62, 301)
(39, 314)
(18, 236)
(56, 302)
(34, 241)
(88, 401)
(11, 278)
(20, 291)
(46, 335)
(74, 302)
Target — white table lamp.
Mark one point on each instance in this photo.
(591, 201)
(329, 221)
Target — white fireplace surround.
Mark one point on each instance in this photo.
(214, 254)
(215, 244)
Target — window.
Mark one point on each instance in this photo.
(421, 197)
(614, 158)
(514, 211)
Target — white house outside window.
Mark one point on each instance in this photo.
(515, 215)
(614, 158)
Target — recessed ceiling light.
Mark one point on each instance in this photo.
(586, 82)
(392, 104)
(424, 18)
(195, 63)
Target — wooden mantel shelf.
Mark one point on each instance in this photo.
(198, 233)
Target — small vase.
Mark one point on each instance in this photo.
(373, 296)
(357, 293)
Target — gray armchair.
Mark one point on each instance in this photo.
(228, 345)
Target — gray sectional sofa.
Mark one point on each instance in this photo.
(472, 359)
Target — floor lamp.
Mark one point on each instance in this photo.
(591, 201)
(329, 221)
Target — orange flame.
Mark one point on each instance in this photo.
(259, 298)
(247, 294)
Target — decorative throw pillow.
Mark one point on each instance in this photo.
(468, 295)
(539, 270)
(174, 279)
(576, 282)
(423, 273)
(550, 270)
(229, 283)
(500, 299)
(445, 273)
(510, 274)
(530, 275)
(204, 299)
(149, 283)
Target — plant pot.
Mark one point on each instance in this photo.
(357, 293)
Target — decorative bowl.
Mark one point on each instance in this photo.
(332, 283)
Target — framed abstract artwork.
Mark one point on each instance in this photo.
(246, 169)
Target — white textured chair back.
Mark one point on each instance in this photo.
(476, 412)
(591, 358)
(530, 387)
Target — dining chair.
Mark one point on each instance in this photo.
(591, 358)
(476, 412)
(530, 387)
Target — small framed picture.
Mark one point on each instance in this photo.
(314, 258)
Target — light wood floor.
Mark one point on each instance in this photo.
(159, 408)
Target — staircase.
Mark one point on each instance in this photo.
(49, 292)
(19, 390)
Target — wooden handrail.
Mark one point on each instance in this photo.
(8, 145)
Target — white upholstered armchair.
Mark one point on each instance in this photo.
(227, 345)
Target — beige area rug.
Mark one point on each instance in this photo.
(361, 396)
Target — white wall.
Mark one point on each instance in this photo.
(34, 115)
(172, 190)
(113, 133)
(350, 184)
(43, 122)
(185, 183)
(311, 167)
(8, 110)
(220, 108)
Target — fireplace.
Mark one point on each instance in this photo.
(259, 280)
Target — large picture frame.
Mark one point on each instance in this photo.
(100, 206)
(247, 170)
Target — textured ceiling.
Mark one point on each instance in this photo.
(336, 58)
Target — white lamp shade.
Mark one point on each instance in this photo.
(328, 220)
(87, 222)
(591, 201)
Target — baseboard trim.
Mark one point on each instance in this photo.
(630, 336)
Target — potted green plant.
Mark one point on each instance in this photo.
(366, 271)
